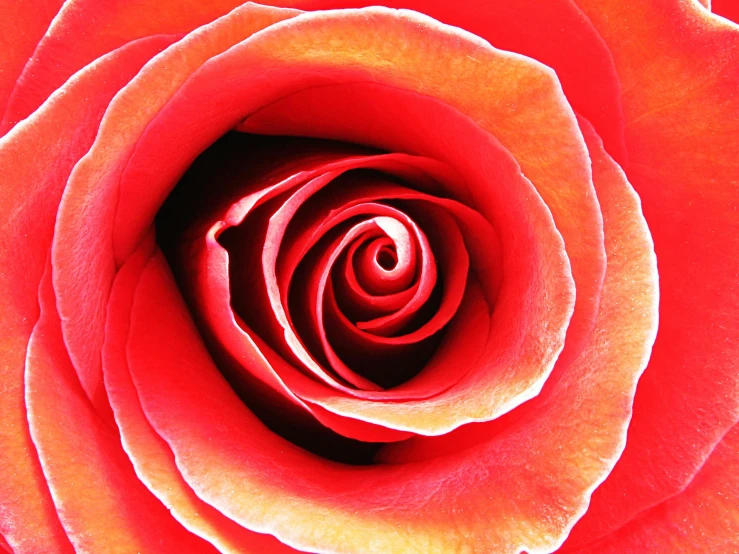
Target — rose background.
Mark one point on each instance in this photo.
(119, 433)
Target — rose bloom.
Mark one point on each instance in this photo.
(321, 276)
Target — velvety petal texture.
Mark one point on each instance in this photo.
(38, 177)
(688, 397)
(322, 276)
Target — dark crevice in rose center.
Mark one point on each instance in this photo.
(363, 295)
(386, 259)
(198, 192)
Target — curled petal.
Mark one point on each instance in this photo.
(151, 457)
(89, 200)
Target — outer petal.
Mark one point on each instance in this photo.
(33, 180)
(90, 199)
(679, 67)
(19, 37)
(702, 519)
(101, 503)
(86, 29)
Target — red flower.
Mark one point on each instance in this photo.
(426, 334)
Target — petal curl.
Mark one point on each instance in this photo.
(89, 200)
(151, 457)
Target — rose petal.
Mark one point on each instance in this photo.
(355, 300)
(529, 27)
(330, 112)
(211, 290)
(101, 503)
(151, 457)
(33, 182)
(21, 35)
(533, 27)
(88, 208)
(314, 287)
(683, 138)
(84, 30)
(702, 518)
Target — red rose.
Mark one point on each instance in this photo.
(311, 279)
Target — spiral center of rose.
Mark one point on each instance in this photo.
(351, 277)
(319, 266)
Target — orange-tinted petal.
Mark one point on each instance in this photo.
(679, 67)
(85, 30)
(20, 34)
(151, 457)
(88, 208)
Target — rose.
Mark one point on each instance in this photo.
(86, 303)
(119, 433)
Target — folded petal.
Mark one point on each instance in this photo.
(82, 32)
(151, 457)
(88, 208)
